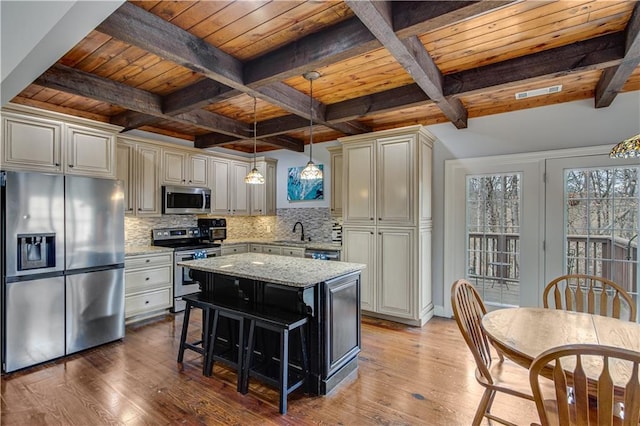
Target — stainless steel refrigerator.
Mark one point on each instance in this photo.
(62, 265)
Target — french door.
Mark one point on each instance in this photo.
(593, 219)
(493, 211)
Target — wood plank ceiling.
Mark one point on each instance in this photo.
(190, 69)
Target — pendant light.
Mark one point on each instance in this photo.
(311, 171)
(254, 177)
(628, 148)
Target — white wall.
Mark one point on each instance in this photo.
(35, 34)
(288, 159)
(569, 125)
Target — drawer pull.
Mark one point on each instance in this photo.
(146, 302)
(146, 279)
(148, 260)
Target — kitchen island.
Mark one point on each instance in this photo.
(329, 292)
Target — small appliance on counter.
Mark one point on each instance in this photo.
(213, 229)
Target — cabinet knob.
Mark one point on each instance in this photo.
(57, 164)
(370, 218)
(71, 166)
(371, 232)
(139, 209)
(379, 218)
(146, 302)
(148, 260)
(146, 279)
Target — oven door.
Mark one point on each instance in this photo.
(185, 280)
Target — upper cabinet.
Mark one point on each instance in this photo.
(380, 181)
(230, 192)
(336, 180)
(138, 168)
(39, 144)
(181, 168)
(90, 152)
(263, 197)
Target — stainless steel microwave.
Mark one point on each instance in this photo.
(185, 200)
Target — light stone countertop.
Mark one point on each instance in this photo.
(136, 250)
(290, 271)
(288, 243)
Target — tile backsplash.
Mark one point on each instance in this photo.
(318, 225)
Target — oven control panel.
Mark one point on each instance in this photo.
(175, 233)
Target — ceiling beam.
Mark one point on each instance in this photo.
(130, 120)
(197, 95)
(411, 54)
(134, 25)
(282, 141)
(597, 53)
(70, 80)
(613, 79)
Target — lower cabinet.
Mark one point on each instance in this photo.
(148, 285)
(228, 249)
(394, 284)
(280, 250)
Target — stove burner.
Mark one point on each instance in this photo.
(181, 239)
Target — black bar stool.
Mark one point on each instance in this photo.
(282, 323)
(231, 313)
(200, 346)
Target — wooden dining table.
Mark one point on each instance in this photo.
(522, 334)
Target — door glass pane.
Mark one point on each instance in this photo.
(601, 224)
(493, 237)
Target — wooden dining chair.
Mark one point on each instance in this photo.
(495, 375)
(593, 402)
(587, 293)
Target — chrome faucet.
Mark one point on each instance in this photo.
(301, 229)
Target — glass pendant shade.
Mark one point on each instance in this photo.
(254, 177)
(311, 171)
(628, 148)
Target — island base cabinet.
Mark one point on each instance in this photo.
(342, 333)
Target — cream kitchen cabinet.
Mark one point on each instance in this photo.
(182, 168)
(138, 168)
(263, 197)
(228, 249)
(380, 181)
(336, 180)
(148, 285)
(230, 192)
(387, 220)
(33, 143)
(277, 249)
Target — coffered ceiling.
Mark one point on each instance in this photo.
(190, 69)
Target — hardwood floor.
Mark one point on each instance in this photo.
(406, 375)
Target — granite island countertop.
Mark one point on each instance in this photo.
(290, 271)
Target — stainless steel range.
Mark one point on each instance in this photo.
(187, 244)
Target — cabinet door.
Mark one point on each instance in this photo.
(259, 193)
(396, 271)
(336, 184)
(90, 152)
(125, 171)
(173, 164)
(359, 246)
(31, 144)
(359, 177)
(240, 193)
(147, 185)
(197, 168)
(220, 172)
(270, 190)
(396, 175)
